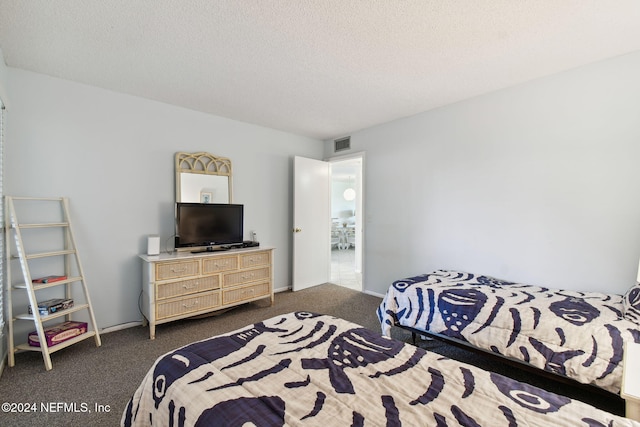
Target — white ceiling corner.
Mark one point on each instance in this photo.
(320, 68)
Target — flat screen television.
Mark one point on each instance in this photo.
(208, 224)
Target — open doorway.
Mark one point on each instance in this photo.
(346, 221)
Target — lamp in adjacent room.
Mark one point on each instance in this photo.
(349, 194)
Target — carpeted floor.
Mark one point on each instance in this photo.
(91, 386)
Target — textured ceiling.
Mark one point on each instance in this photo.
(320, 68)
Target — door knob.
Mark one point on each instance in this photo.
(297, 230)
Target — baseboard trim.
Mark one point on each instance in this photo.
(375, 294)
(120, 327)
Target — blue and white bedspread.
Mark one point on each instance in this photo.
(303, 369)
(575, 334)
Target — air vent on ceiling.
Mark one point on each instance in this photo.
(342, 144)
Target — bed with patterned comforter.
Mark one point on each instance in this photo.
(579, 335)
(304, 369)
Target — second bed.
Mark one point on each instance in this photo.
(579, 335)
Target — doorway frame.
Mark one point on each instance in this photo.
(360, 209)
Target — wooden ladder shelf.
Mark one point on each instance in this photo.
(63, 257)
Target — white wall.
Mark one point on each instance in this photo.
(4, 97)
(113, 156)
(538, 183)
(3, 79)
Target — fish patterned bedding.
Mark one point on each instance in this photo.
(304, 369)
(579, 335)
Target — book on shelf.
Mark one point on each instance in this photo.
(49, 279)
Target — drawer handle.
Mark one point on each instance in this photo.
(195, 285)
(181, 270)
(192, 305)
(250, 276)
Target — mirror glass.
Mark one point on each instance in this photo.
(203, 178)
(198, 188)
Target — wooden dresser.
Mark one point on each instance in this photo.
(182, 284)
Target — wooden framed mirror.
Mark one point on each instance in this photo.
(203, 178)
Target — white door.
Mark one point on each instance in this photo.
(311, 223)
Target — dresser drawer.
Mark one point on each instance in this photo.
(174, 270)
(215, 265)
(256, 259)
(186, 305)
(185, 287)
(230, 296)
(234, 279)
